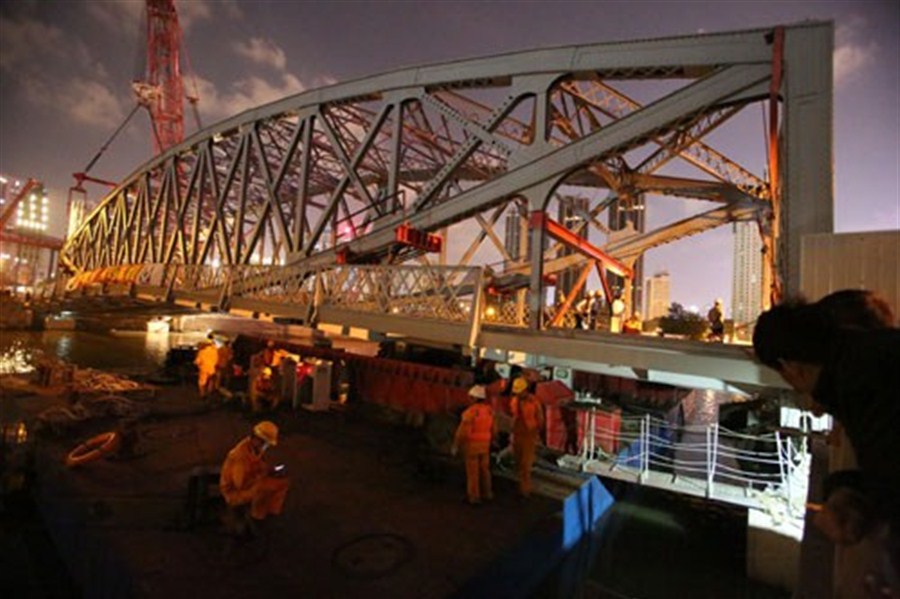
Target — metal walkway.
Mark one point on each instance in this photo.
(434, 303)
(767, 471)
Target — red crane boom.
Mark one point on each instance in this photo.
(162, 92)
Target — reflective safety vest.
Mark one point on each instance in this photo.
(526, 413)
(481, 422)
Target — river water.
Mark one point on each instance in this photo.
(124, 352)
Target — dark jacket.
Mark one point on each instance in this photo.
(860, 386)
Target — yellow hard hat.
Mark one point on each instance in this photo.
(520, 385)
(267, 431)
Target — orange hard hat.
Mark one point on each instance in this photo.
(267, 431)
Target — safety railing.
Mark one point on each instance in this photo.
(708, 459)
(275, 284)
(446, 293)
(508, 311)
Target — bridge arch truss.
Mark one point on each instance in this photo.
(328, 175)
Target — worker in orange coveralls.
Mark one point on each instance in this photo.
(224, 366)
(528, 422)
(475, 432)
(247, 480)
(206, 360)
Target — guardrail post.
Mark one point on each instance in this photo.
(790, 474)
(645, 446)
(782, 469)
(715, 458)
(709, 460)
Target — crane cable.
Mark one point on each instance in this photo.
(115, 134)
(195, 98)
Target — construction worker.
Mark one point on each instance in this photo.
(716, 325)
(248, 483)
(263, 389)
(528, 422)
(224, 366)
(633, 325)
(206, 360)
(475, 432)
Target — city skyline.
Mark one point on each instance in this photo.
(68, 67)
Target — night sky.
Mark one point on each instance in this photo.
(67, 66)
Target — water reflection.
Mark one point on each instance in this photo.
(15, 356)
(157, 345)
(121, 351)
(64, 347)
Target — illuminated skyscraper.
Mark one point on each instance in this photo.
(32, 213)
(746, 290)
(657, 296)
(24, 255)
(572, 211)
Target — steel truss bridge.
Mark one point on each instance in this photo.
(293, 209)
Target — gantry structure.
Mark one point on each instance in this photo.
(383, 198)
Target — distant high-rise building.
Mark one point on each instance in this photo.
(746, 289)
(571, 216)
(624, 214)
(24, 259)
(657, 296)
(33, 211)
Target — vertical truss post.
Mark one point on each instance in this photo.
(318, 297)
(477, 308)
(225, 293)
(807, 185)
(536, 222)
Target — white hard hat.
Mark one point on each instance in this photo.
(477, 391)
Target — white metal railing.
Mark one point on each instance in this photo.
(708, 458)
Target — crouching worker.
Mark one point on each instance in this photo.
(475, 433)
(249, 483)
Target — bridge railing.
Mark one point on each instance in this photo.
(510, 311)
(446, 293)
(707, 460)
(275, 284)
(196, 277)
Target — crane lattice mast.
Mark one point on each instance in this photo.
(162, 92)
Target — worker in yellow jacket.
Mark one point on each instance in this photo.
(246, 478)
(528, 422)
(206, 360)
(475, 432)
